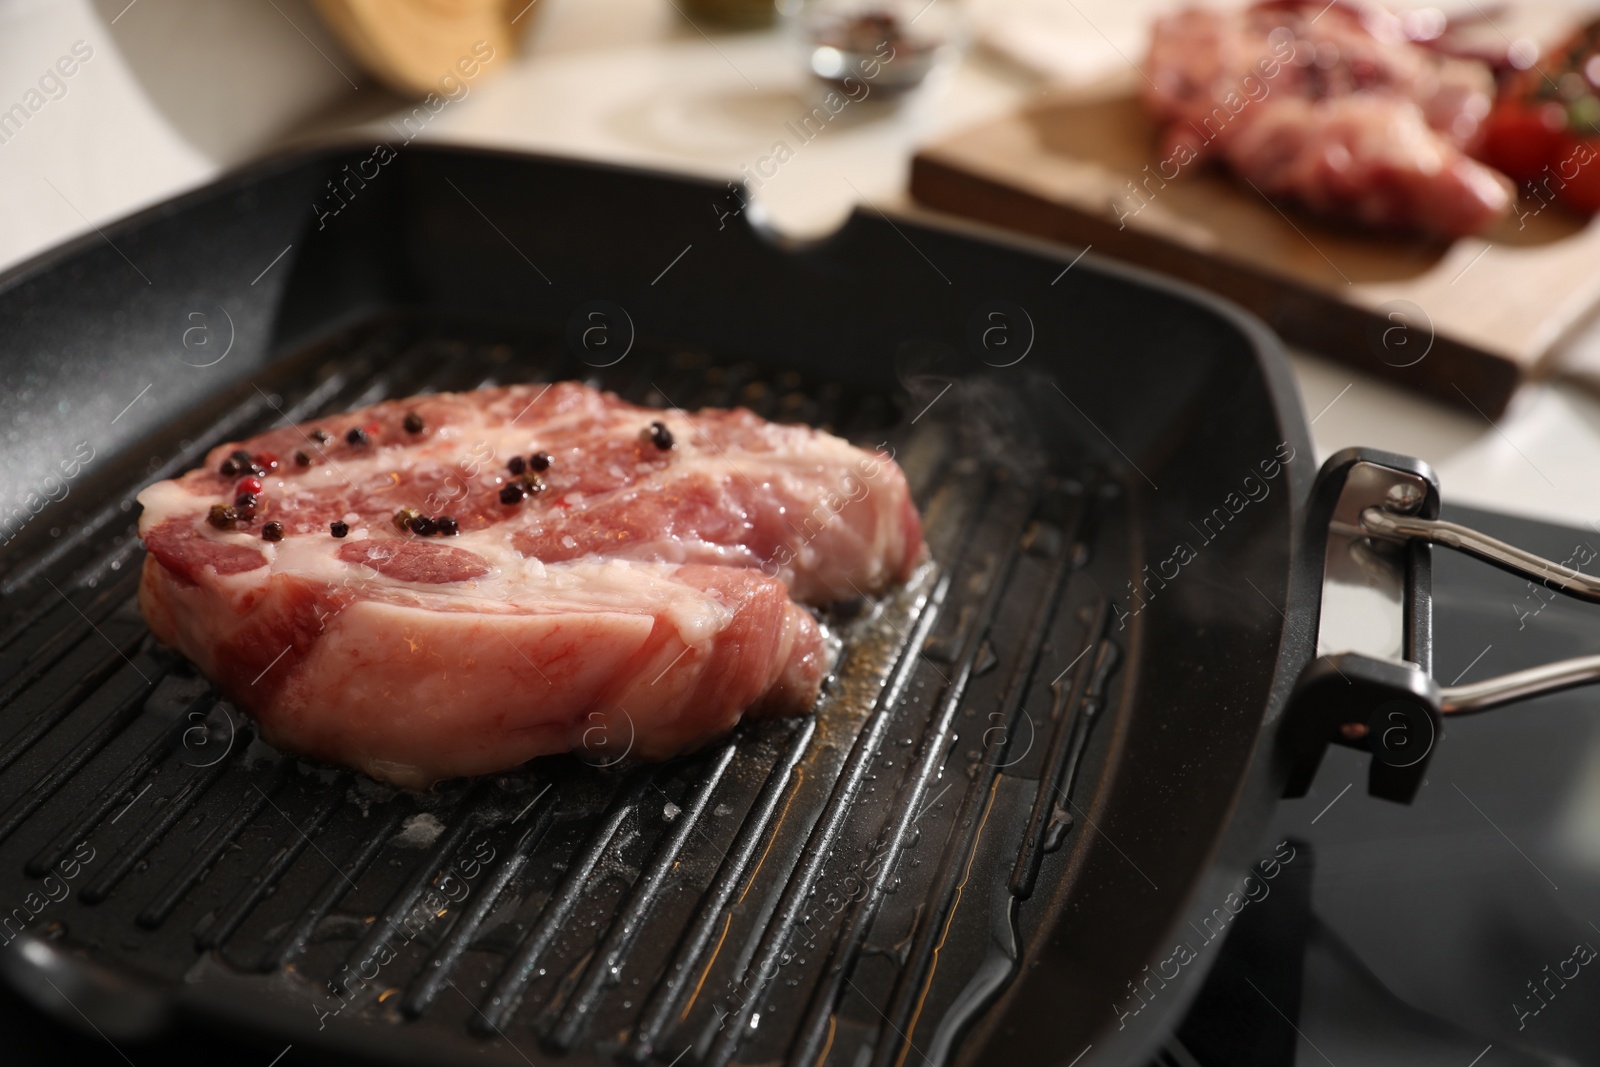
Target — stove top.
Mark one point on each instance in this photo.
(1460, 931)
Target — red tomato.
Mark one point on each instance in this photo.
(1522, 137)
(1577, 166)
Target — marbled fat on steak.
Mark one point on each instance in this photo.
(521, 571)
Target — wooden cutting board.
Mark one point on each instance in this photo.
(1465, 320)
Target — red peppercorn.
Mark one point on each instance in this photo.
(248, 485)
(267, 460)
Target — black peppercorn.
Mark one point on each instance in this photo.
(539, 461)
(423, 526)
(222, 517)
(245, 505)
(237, 463)
(302, 460)
(320, 436)
(447, 525)
(516, 464)
(512, 493)
(660, 436)
(413, 422)
(402, 518)
(272, 531)
(338, 529)
(357, 436)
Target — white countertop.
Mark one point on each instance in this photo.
(177, 91)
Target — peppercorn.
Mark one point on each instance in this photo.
(302, 460)
(658, 435)
(236, 463)
(357, 436)
(338, 529)
(272, 531)
(245, 505)
(402, 518)
(222, 517)
(413, 422)
(532, 483)
(266, 460)
(512, 493)
(447, 525)
(423, 526)
(516, 464)
(248, 485)
(320, 436)
(539, 461)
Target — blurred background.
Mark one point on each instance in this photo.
(175, 92)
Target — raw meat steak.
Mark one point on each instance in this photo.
(1335, 105)
(454, 584)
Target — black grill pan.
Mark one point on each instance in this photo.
(1010, 796)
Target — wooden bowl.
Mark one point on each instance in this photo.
(417, 47)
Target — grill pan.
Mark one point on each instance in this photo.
(1037, 762)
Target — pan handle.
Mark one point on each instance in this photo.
(1520, 685)
(1375, 516)
(1389, 525)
